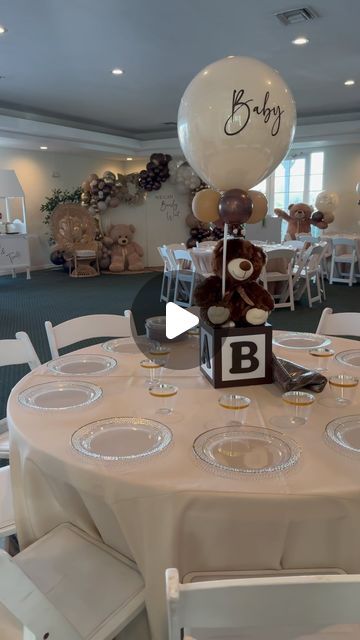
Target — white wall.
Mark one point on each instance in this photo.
(35, 172)
(161, 219)
(341, 174)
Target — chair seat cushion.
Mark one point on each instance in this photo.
(85, 580)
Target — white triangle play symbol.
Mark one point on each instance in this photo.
(178, 320)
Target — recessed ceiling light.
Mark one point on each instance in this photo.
(43, 148)
(300, 41)
(117, 72)
(349, 83)
(128, 158)
(2, 30)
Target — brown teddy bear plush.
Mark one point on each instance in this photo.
(246, 302)
(300, 219)
(125, 253)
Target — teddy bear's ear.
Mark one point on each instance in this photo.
(132, 228)
(289, 207)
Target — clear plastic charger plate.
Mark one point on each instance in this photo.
(345, 432)
(246, 449)
(121, 438)
(59, 395)
(350, 357)
(85, 364)
(124, 345)
(297, 340)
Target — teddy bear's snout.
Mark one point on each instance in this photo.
(300, 215)
(240, 269)
(123, 241)
(245, 265)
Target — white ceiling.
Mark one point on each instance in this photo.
(58, 54)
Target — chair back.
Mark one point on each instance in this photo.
(168, 266)
(18, 351)
(183, 259)
(347, 242)
(85, 327)
(287, 255)
(339, 324)
(24, 600)
(202, 262)
(247, 605)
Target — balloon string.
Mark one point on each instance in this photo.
(224, 258)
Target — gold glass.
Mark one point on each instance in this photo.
(343, 388)
(237, 404)
(323, 357)
(154, 368)
(166, 393)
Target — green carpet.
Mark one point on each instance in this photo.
(53, 295)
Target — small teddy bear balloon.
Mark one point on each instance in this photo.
(245, 302)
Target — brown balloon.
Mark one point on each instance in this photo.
(205, 205)
(235, 206)
(260, 206)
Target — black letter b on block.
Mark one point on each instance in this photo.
(244, 351)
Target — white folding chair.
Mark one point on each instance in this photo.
(296, 245)
(85, 327)
(68, 586)
(341, 259)
(339, 324)
(12, 352)
(307, 238)
(285, 608)
(7, 518)
(207, 243)
(184, 278)
(202, 261)
(287, 256)
(168, 274)
(308, 269)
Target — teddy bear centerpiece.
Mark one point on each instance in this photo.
(233, 145)
(245, 301)
(120, 252)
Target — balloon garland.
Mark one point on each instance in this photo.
(110, 190)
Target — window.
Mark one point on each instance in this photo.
(296, 179)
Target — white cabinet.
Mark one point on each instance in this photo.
(14, 253)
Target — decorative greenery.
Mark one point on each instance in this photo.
(58, 196)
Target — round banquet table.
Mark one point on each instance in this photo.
(171, 511)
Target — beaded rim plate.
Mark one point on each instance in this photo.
(298, 340)
(125, 438)
(350, 357)
(82, 365)
(246, 449)
(59, 396)
(345, 432)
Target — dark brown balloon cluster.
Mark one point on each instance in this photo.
(156, 172)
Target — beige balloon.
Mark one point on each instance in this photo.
(205, 205)
(260, 206)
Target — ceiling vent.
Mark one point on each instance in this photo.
(296, 16)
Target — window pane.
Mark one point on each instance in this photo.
(295, 196)
(316, 183)
(279, 183)
(297, 168)
(280, 170)
(261, 187)
(297, 183)
(317, 163)
(279, 201)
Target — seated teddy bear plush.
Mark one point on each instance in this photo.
(125, 253)
(245, 302)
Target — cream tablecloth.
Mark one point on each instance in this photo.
(169, 510)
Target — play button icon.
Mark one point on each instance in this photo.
(178, 320)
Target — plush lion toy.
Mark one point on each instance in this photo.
(245, 302)
(300, 219)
